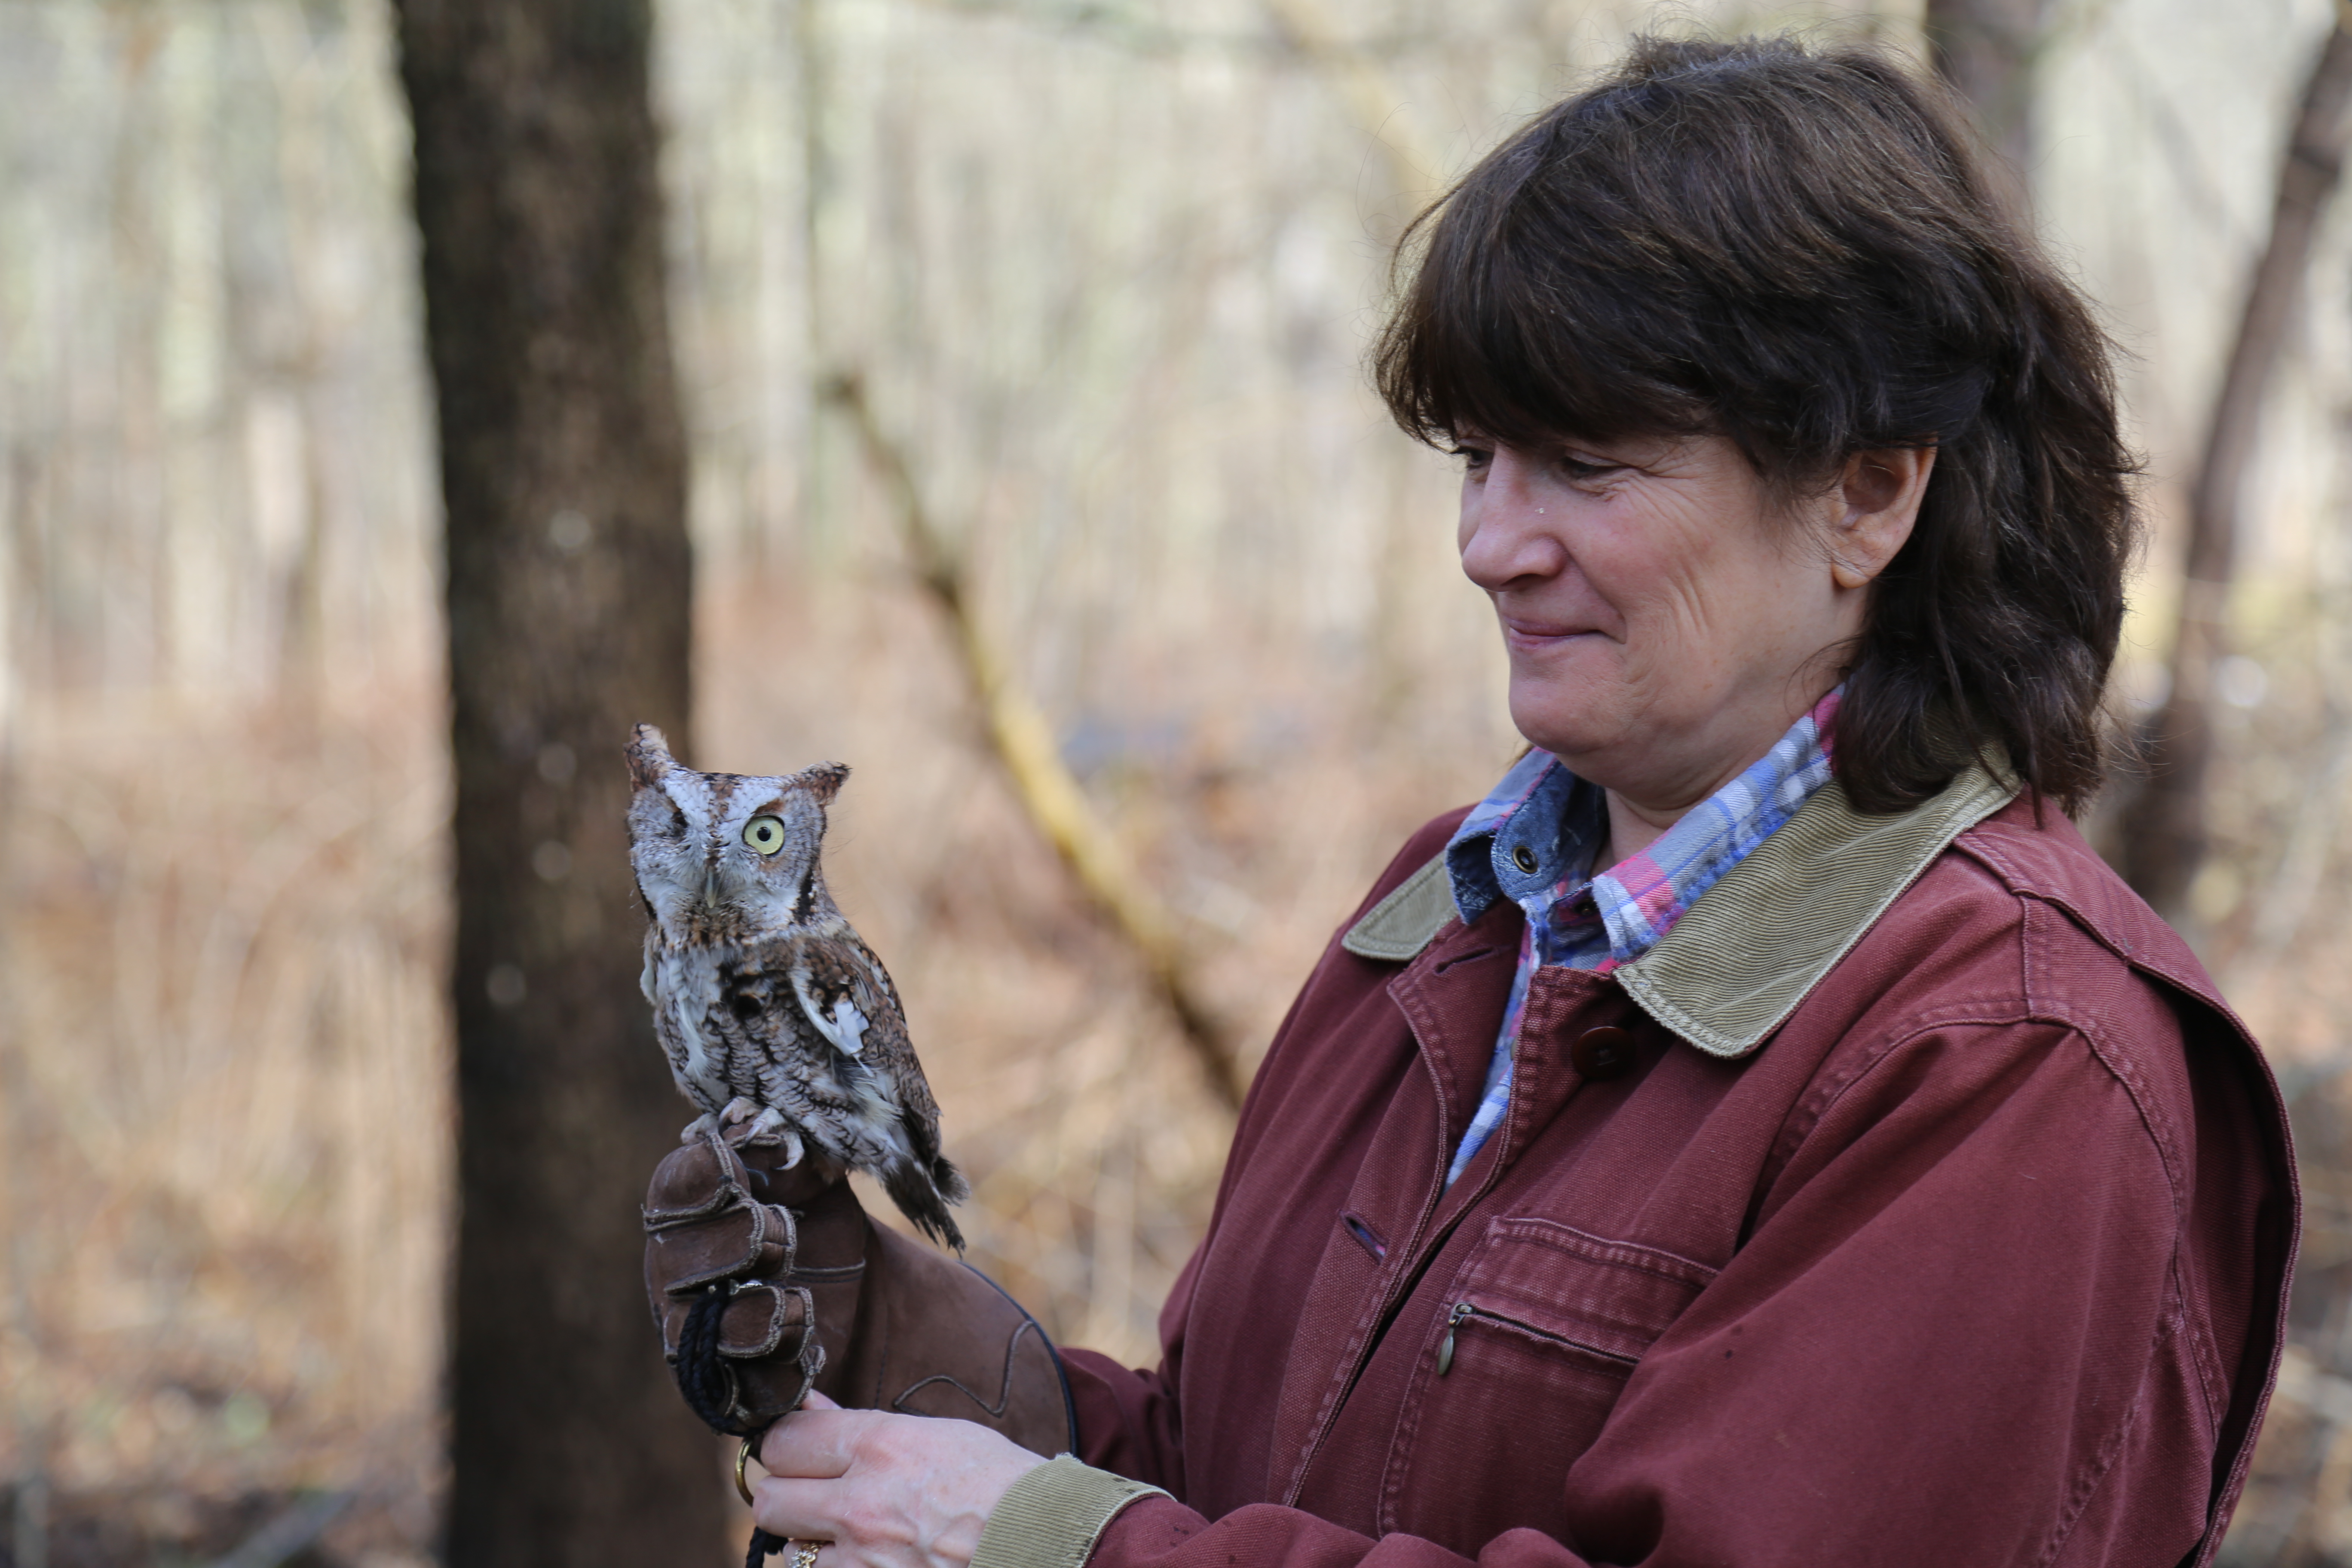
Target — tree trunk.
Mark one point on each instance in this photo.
(563, 474)
(2164, 829)
(1987, 50)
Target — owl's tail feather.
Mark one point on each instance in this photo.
(948, 1180)
(923, 1195)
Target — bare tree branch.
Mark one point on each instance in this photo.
(2164, 837)
(1140, 32)
(1987, 49)
(1024, 743)
(1373, 97)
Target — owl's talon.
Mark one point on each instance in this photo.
(694, 1131)
(740, 1109)
(768, 1130)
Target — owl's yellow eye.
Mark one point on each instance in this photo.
(765, 834)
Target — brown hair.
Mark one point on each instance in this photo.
(1797, 250)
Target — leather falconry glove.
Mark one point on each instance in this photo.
(767, 1282)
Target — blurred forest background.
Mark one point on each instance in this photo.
(1103, 273)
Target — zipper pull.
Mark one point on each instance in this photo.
(1445, 1351)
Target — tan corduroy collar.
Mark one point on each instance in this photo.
(1757, 943)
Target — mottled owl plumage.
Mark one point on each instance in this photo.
(770, 1007)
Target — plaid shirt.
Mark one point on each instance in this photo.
(1532, 841)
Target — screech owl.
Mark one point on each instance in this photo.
(770, 1006)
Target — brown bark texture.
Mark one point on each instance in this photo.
(2164, 832)
(1987, 49)
(564, 476)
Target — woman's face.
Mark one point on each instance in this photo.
(1665, 625)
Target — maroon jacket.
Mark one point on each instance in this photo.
(1960, 1234)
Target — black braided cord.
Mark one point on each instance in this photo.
(702, 1377)
(709, 1390)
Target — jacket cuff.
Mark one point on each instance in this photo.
(1053, 1516)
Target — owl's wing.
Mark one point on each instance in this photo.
(842, 990)
(846, 996)
(870, 1003)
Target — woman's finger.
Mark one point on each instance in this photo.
(813, 1400)
(798, 1509)
(813, 1442)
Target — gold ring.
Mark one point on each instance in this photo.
(742, 1484)
(804, 1556)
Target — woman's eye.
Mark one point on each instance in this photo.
(1585, 470)
(1474, 459)
(765, 834)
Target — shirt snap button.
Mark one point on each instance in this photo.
(1523, 858)
(1602, 1053)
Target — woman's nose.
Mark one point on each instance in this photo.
(1508, 529)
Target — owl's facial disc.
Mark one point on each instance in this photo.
(762, 854)
(668, 824)
(727, 855)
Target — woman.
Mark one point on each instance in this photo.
(1761, 1130)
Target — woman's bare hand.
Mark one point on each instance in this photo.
(887, 1492)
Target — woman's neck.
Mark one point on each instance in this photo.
(1631, 829)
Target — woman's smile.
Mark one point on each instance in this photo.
(1534, 635)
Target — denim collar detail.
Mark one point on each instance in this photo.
(1534, 829)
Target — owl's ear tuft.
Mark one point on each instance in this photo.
(650, 758)
(823, 781)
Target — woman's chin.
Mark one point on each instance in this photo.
(1568, 730)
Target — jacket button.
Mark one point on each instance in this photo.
(1602, 1053)
(1524, 859)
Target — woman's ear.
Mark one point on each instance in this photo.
(1879, 494)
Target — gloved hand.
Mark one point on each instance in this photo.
(723, 1245)
(767, 1282)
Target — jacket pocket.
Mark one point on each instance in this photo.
(1537, 1331)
